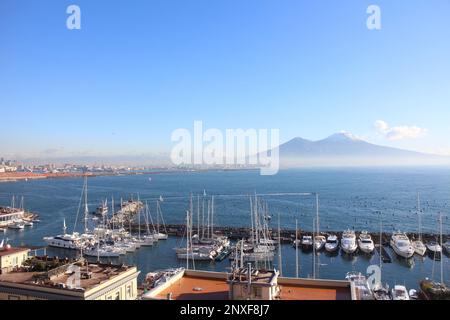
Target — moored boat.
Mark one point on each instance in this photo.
(365, 242)
(401, 244)
(332, 244)
(348, 242)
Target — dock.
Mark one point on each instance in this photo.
(286, 235)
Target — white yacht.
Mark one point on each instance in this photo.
(401, 244)
(67, 241)
(400, 293)
(319, 242)
(348, 241)
(104, 251)
(365, 242)
(332, 244)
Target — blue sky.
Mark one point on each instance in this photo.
(137, 70)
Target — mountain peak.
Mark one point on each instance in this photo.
(342, 136)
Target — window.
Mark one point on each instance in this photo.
(11, 297)
(129, 294)
(117, 297)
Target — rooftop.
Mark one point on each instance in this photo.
(57, 272)
(5, 252)
(205, 285)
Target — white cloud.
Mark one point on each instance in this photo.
(399, 132)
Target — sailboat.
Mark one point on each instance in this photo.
(319, 240)
(73, 240)
(379, 291)
(419, 247)
(159, 235)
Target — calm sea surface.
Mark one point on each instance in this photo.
(349, 198)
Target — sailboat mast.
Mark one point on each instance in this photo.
(280, 264)
(251, 219)
(212, 216)
(442, 258)
(317, 213)
(314, 251)
(296, 249)
(187, 240)
(86, 210)
(419, 216)
(198, 215)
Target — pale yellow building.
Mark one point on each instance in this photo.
(11, 258)
(70, 281)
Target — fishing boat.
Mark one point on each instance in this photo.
(332, 244)
(365, 242)
(419, 247)
(401, 244)
(307, 243)
(348, 242)
(399, 292)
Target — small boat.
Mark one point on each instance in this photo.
(419, 247)
(446, 247)
(319, 242)
(413, 294)
(434, 249)
(348, 242)
(381, 292)
(401, 245)
(365, 242)
(17, 226)
(400, 293)
(307, 243)
(102, 210)
(332, 244)
(296, 243)
(28, 224)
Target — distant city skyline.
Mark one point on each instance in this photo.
(136, 72)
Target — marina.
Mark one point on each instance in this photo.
(143, 237)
